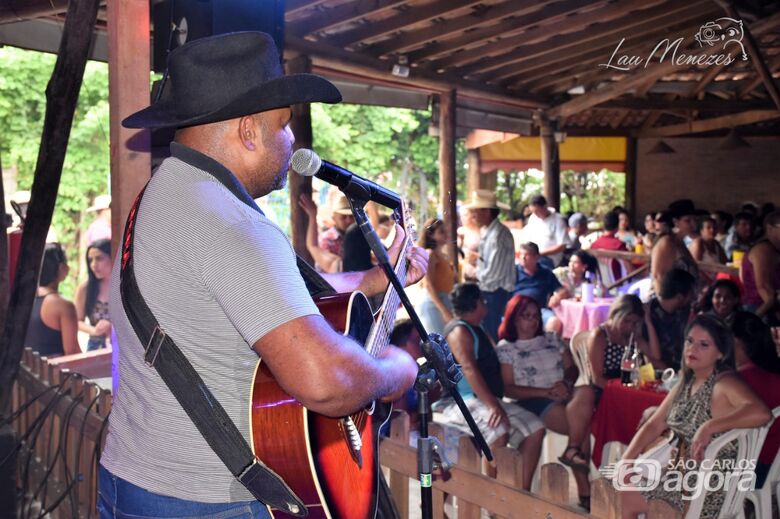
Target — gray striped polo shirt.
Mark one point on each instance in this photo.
(218, 276)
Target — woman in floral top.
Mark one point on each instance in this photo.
(539, 372)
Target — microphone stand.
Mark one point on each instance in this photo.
(440, 364)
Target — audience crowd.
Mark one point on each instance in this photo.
(717, 332)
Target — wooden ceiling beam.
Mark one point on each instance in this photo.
(342, 60)
(398, 22)
(344, 13)
(714, 123)
(618, 88)
(774, 65)
(296, 6)
(644, 34)
(504, 30)
(539, 70)
(757, 58)
(411, 39)
(538, 35)
(603, 35)
(657, 104)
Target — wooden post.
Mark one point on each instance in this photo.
(301, 127)
(550, 162)
(128, 92)
(554, 483)
(62, 94)
(473, 173)
(631, 178)
(448, 193)
(605, 500)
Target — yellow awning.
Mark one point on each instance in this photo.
(575, 153)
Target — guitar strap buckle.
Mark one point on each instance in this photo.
(152, 348)
(269, 488)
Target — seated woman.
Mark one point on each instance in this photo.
(648, 238)
(760, 272)
(706, 248)
(435, 308)
(539, 372)
(92, 295)
(482, 387)
(670, 252)
(759, 366)
(710, 400)
(573, 276)
(722, 301)
(605, 350)
(52, 330)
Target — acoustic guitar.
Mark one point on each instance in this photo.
(330, 463)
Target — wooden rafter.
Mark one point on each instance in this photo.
(602, 34)
(756, 57)
(443, 29)
(599, 50)
(338, 59)
(296, 6)
(656, 104)
(344, 13)
(616, 89)
(399, 21)
(588, 58)
(540, 33)
(714, 123)
(774, 66)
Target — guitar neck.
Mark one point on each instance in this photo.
(379, 337)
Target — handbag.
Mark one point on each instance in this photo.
(651, 463)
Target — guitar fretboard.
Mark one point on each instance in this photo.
(379, 337)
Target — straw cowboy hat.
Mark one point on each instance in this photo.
(101, 202)
(341, 206)
(227, 76)
(484, 199)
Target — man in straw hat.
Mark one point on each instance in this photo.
(222, 281)
(496, 264)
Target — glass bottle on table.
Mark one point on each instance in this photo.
(628, 365)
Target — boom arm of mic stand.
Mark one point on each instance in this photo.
(434, 347)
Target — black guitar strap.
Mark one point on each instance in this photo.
(208, 415)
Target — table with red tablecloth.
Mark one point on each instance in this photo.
(577, 316)
(618, 414)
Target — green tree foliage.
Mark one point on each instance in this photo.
(23, 79)
(387, 145)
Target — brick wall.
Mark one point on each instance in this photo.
(711, 177)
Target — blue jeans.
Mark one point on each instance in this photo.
(119, 499)
(496, 303)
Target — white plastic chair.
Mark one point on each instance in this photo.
(749, 443)
(579, 351)
(762, 497)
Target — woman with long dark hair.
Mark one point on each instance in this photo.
(92, 295)
(722, 301)
(52, 327)
(709, 400)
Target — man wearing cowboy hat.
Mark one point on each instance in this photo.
(222, 281)
(496, 264)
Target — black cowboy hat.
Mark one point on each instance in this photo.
(226, 76)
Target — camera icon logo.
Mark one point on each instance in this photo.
(642, 474)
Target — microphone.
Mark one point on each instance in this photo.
(307, 163)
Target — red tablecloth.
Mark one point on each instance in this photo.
(618, 414)
(578, 316)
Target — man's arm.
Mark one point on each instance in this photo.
(330, 373)
(374, 281)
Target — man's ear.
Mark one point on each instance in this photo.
(248, 131)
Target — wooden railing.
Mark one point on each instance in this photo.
(70, 415)
(62, 429)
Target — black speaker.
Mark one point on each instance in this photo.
(193, 19)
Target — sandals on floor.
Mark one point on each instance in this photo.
(569, 461)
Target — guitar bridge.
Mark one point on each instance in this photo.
(353, 439)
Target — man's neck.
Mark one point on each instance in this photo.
(667, 306)
(531, 271)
